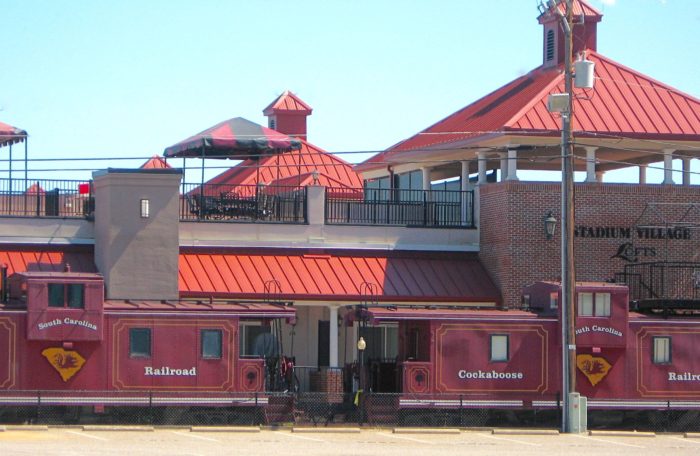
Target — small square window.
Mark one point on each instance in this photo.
(145, 208)
(140, 342)
(57, 294)
(211, 343)
(499, 348)
(602, 304)
(661, 350)
(585, 304)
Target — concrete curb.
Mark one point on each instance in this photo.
(525, 432)
(236, 429)
(326, 430)
(426, 431)
(620, 434)
(26, 427)
(93, 428)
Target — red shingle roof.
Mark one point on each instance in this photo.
(410, 277)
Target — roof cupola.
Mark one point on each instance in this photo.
(585, 22)
(287, 114)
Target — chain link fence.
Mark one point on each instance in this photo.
(322, 409)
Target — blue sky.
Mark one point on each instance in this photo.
(122, 79)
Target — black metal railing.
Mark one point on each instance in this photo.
(663, 284)
(243, 203)
(399, 207)
(46, 198)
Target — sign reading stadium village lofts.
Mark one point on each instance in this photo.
(629, 251)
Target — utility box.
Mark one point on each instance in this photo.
(578, 413)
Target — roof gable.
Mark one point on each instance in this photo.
(287, 102)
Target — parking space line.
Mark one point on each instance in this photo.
(613, 442)
(508, 440)
(83, 434)
(407, 438)
(682, 439)
(302, 437)
(195, 436)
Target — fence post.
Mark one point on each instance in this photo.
(38, 407)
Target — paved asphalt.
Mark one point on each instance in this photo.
(186, 442)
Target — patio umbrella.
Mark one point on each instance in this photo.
(236, 139)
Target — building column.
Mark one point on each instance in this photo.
(512, 164)
(464, 176)
(668, 166)
(465, 186)
(426, 178)
(686, 171)
(590, 164)
(482, 167)
(504, 166)
(642, 174)
(333, 336)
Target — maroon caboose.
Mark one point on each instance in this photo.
(66, 345)
(512, 358)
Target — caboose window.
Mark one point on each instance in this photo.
(499, 348)
(662, 350)
(602, 304)
(585, 304)
(140, 343)
(71, 295)
(211, 343)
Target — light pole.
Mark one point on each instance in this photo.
(567, 223)
(361, 345)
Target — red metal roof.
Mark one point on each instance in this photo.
(579, 7)
(623, 102)
(11, 135)
(287, 102)
(155, 162)
(348, 276)
(275, 168)
(45, 259)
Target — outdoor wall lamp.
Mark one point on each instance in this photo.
(550, 225)
(361, 344)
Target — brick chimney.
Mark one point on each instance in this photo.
(287, 114)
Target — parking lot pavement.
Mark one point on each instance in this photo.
(183, 442)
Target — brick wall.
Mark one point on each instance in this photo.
(515, 251)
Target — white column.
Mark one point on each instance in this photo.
(686, 171)
(482, 167)
(465, 186)
(426, 178)
(333, 336)
(668, 166)
(504, 166)
(464, 176)
(512, 164)
(642, 174)
(590, 164)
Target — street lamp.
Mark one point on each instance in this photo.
(550, 225)
(361, 345)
